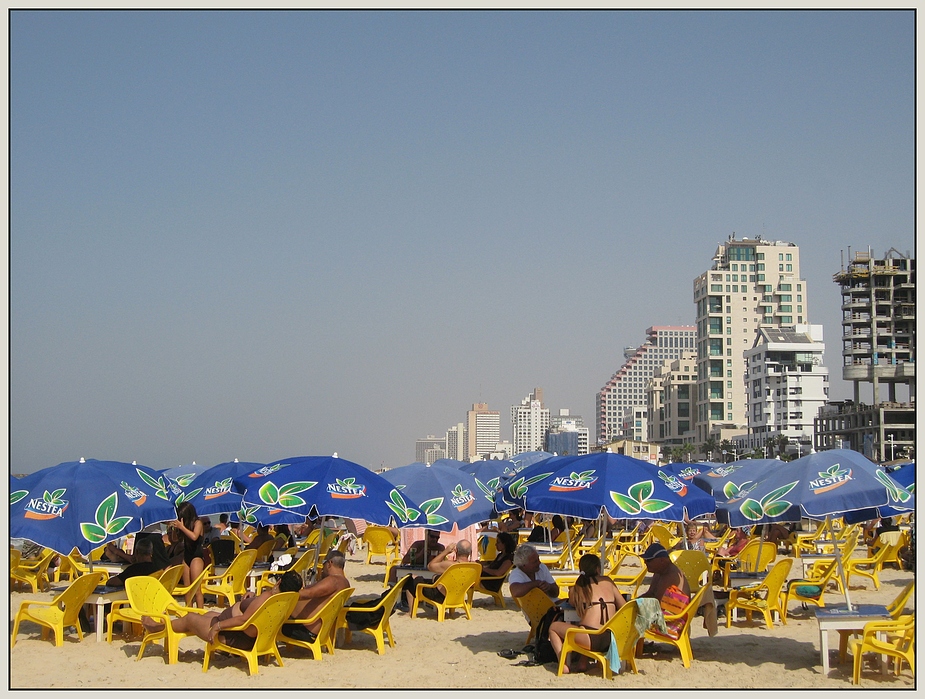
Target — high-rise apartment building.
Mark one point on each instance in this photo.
(878, 349)
(430, 449)
(626, 389)
(567, 433)
(751, 283)
(483, 430)
(530, 422)
(671, 401)
(456, 442)
(787, 384)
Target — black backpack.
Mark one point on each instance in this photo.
(543, 651)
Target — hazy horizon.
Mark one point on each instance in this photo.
(259, 235)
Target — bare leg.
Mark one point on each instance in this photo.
(194, 569)
(198, 624)
(186, 581)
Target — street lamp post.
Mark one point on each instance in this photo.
(891, 447)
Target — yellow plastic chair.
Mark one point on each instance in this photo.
(871, 566)
(622, 625)
(818, 582)
(755, 557)
(695, 565)
(457, 579)
(661, 534)
(383, 630)
(899, 644)
(683, 641)
(233, 582)
(497, 596)
(713, 546)
(15, 558)
(328, 614)
(597, 548)
(59, 613)
(895, 610)
(534, 604)
(764, 597)
(886, 539)
(488, 547)
(565, 559)
(265, 550)
(170, 577)
(267, 619)
(380, 541)
(846, 552)
(628, 583)
(34, 573)
(301, 564)
(147, 597)
(181, 591)
(805, 542)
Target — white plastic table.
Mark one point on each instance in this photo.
(839, 618)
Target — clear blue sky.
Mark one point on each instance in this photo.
(259, 235)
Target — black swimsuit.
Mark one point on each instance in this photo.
(600, 643)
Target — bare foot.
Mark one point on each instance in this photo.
(151, 625)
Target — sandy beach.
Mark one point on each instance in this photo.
(457, 654)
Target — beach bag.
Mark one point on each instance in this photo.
(222, 551)
(674, 601)
(811, 591)
(543, 652)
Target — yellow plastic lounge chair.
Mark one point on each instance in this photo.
(535, 604)
(764, 597)
(597, 548)
(846, 552)
(233, 582)
(60, 612)
(15, 558)
(872, 564)
(147, 597)
(622, 625)
(683, 641)
(498, 596)
(268, 619)
(265, 550)
(328, 615)
(380, 541)
(629, 582)
(561, 561)
(755, 557)
(713, 546)
(383, 629)
(268, 578)
(661, 534)
(808, 590)
(170, 577)
(804, 542)
(457, 579)
(34, 573)
(899, 644)
(695, 565)
(895, 609)
(180, 591)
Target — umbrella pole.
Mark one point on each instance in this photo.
(568, 542)
(841, 570)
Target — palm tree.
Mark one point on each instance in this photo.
(726, 448)
(686, 450)
(709, 447)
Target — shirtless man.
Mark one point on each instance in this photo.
(211, 624)
(462, 550)
(664, 573)
(313, 597)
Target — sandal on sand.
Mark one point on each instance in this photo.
(509, 653)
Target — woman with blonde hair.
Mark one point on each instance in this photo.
(596, 598)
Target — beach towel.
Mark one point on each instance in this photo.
(650, 614)
(673, 602)
(613, 657)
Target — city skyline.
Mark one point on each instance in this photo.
(343, 237)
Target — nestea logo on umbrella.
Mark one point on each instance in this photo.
(574, 482)
(673, 483)
(49, 506)
(220, 488)
(134, 494)
(461, 497)
(346, 489)
(830, 479)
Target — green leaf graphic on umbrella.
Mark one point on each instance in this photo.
(18, 495)
(833, 471)
(488, 489)
(771, 505)
(185, 479)
(519, 487)
(285, 496)
(733, 491)
(248, 514)
(430, 507)
(400, 507)
(639, 499)
(106, 524)
(186, 497)
(159, 484)
(894, 491)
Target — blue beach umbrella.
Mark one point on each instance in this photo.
(220, 488)
(88, 503)
(686, 472)
(905, 476)
(182, 476)
(489, 473)
(623, 487)
(327, 486)
(714, 480)
(820, 485)
(263, 514)
(515, 487)
(446, 495)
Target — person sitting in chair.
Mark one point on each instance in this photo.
(315, 596)
(462, 550)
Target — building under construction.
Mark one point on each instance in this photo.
(878, 349)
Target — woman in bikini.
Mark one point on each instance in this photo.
(596, 598)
